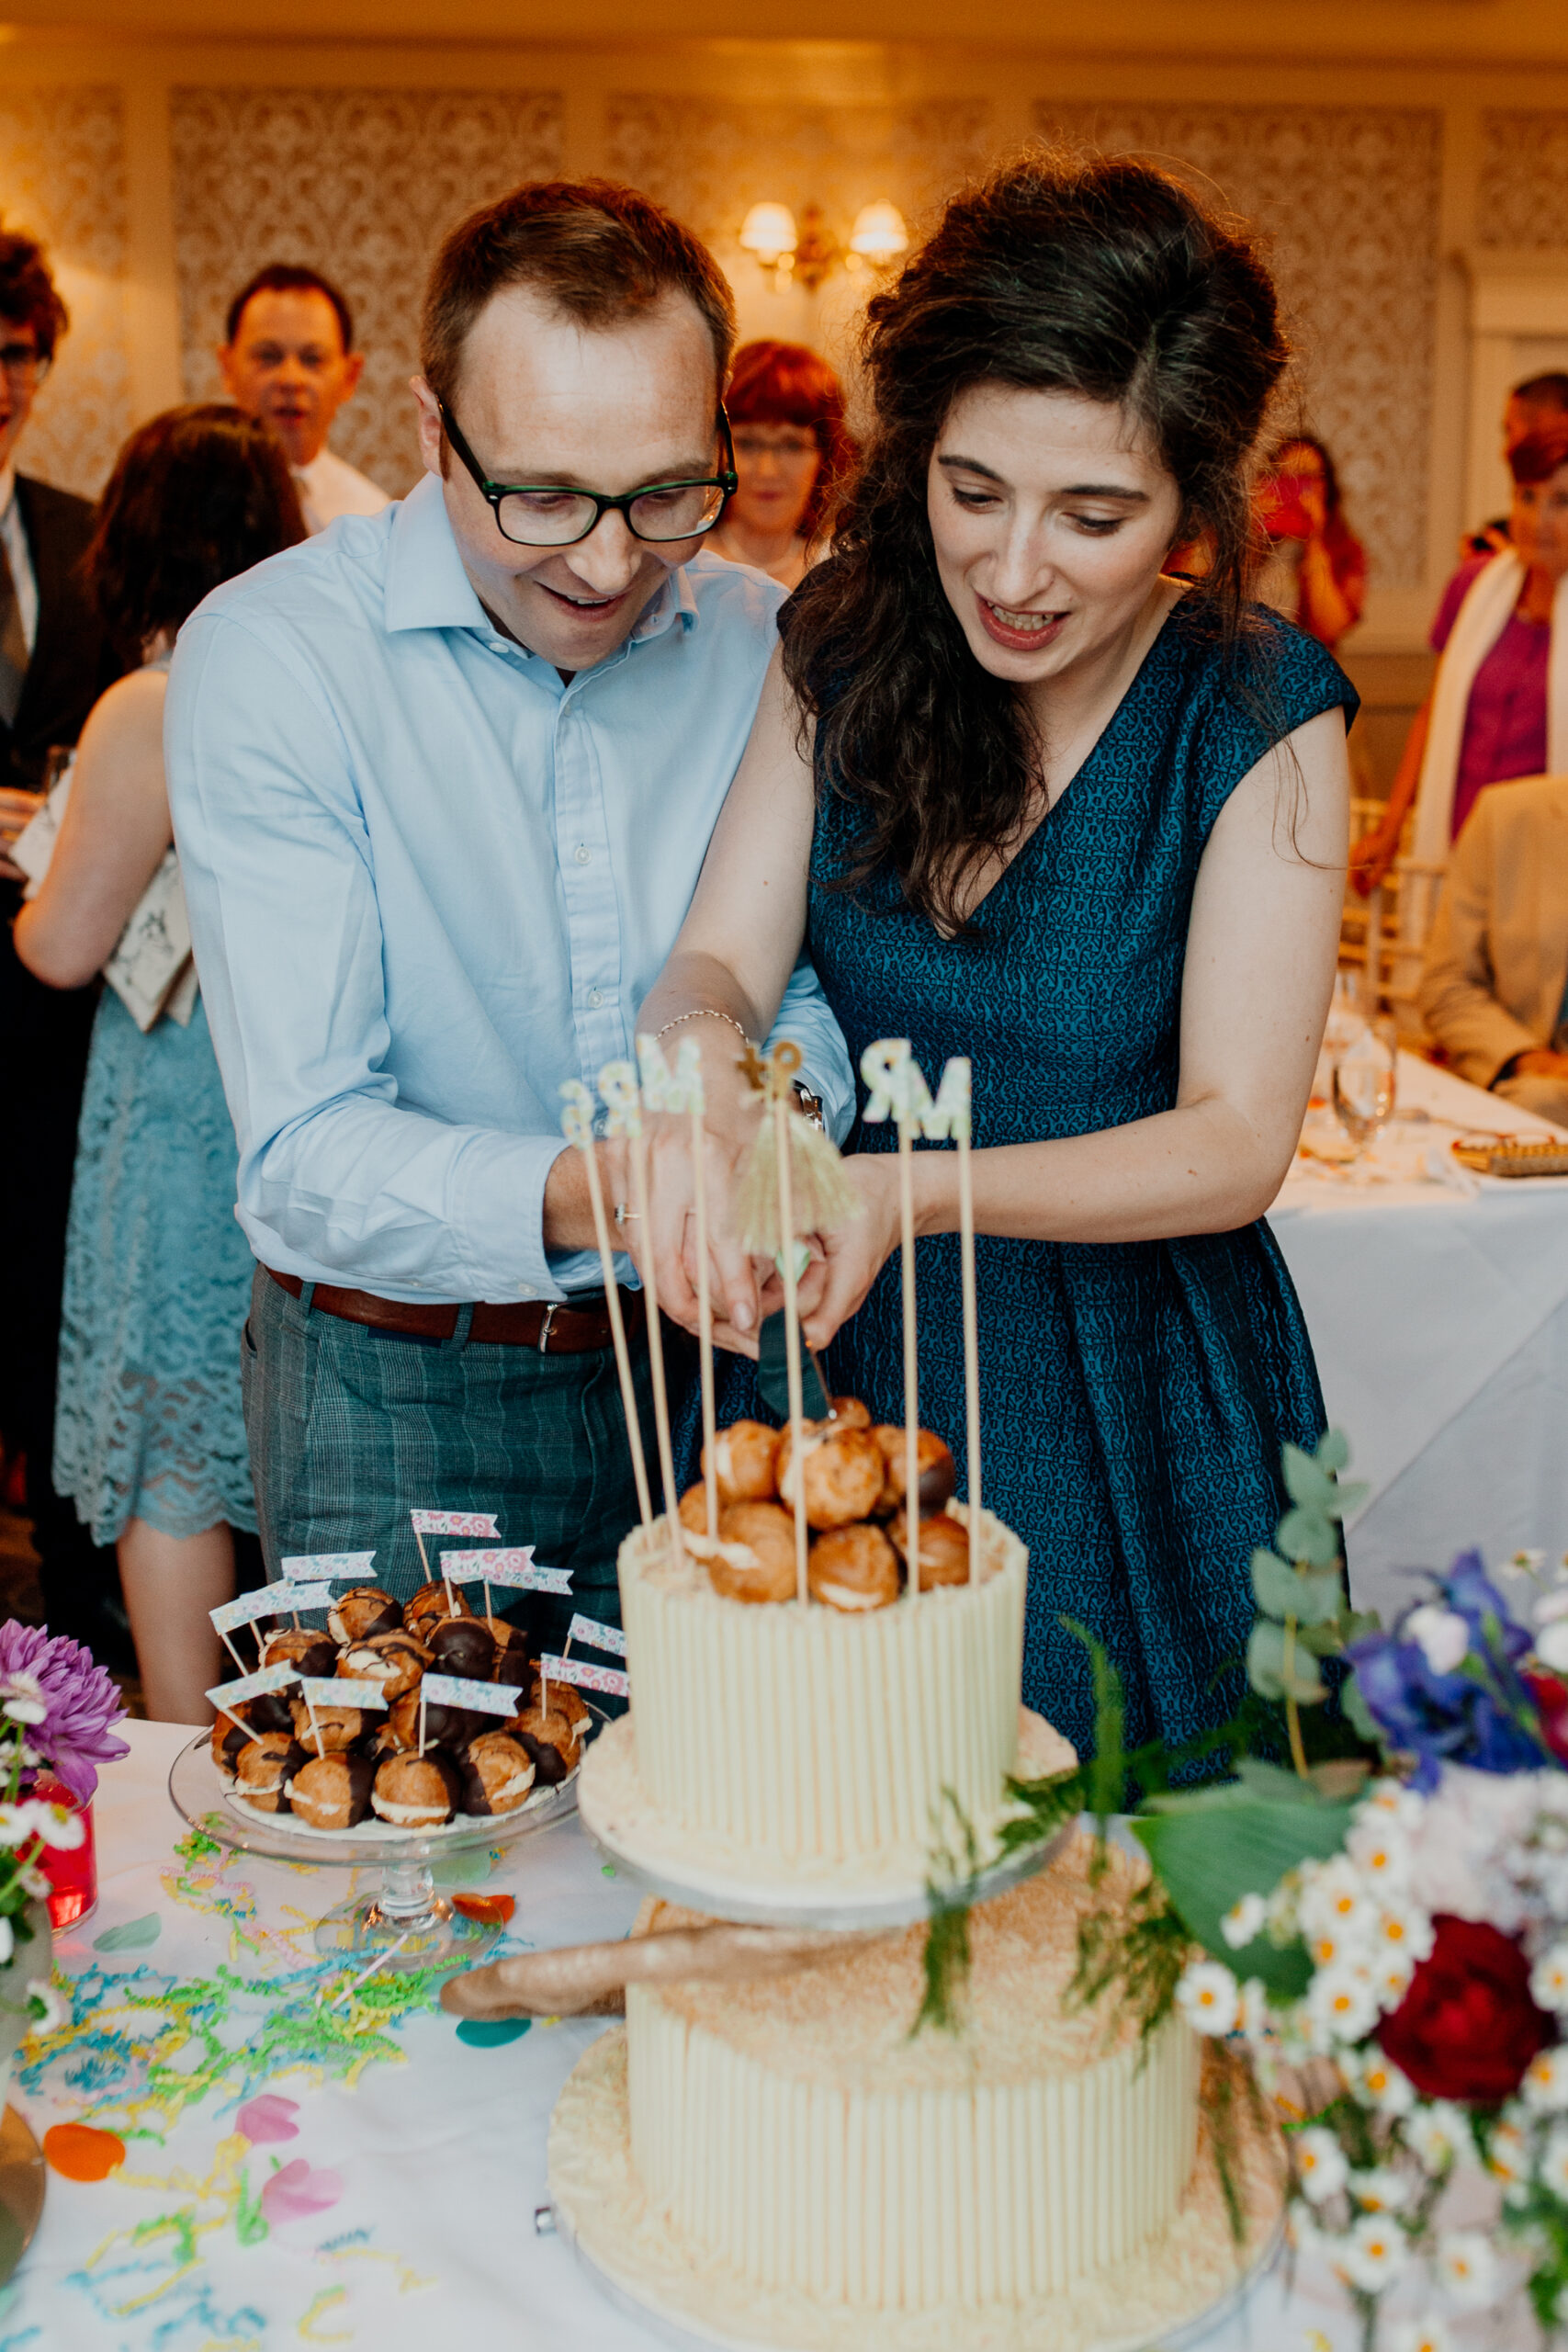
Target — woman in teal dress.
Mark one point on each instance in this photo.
(149, 1442)
(1027, 799)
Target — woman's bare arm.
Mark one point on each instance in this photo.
(112, 838)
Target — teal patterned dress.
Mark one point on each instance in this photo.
(1134, 1395)
(148, 1422)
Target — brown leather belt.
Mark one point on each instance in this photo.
(554, 1329)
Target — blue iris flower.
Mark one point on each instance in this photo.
(1465, 1717)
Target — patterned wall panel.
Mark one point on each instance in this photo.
(1349, 197)
(360, 184)
(1522, 197)
(62, 178)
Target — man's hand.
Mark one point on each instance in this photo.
(1371, 857)
(18, 809)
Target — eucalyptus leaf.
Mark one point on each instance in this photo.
(1266, 1667)
(1333, 1450)
(1361, 1622)
(1322, 1641)
(1208, 1858)
(1274, 1584)
(1352, 1493)
(1276, 1784)
(1358, 1714)
(1315, 1599)
(1309, 1534)
(1306, 1483)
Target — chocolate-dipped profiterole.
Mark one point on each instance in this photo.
(744, 1459)
(550, 1738)
(444, 1726)
(271, 1711)
(754, 1558)
(430, 1608)
(850, 1413)
(853, 1568)
(264, 1769)
(332, 1792)
(394, 1660)
(464, 1645)
(228, 1736)
(944, 1549)
(498, 1773)
(692, 1510)
(842, 1470)
(333, 1729)
(415, 1792)
(939, 1472)
(513, 1658)
(355, 1616)
(306, 1652)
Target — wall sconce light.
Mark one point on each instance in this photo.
(810, 253)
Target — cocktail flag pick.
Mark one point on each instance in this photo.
(682, 1090)
(512, 1566)
(229, 1695)
(459, 1690)
(949, 1115)
(577, 1125)
(449, 1522)
(312, 1567)
(597, 1636)
(618, 1086)
(340, 1691)
(577, 1670)
(899, 1090)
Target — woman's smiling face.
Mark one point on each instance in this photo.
(1051, 515)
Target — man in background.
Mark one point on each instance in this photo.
(53, 666)
(1540, 402)
(289, 361)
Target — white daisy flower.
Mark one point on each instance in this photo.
(1389, 2091)
(1341, 2007)
(1253, 2018)
(1467, 2268)
(1552, 1645)
(1243, 1921)
(57, 1826)
(21, 1698)
(47, 2008)
(1435, 2135)
(1337, 1901)
(1381, 1851)
(1402, 1929)
(1545, 2087)
(16, 1824)
(1421, 2336)
(1552, 2163)
(1391, 1802)
(1442, 1633)
(1372, 2253)
(1209, 1996)
(1380, 2190)
(1320, 2164)
(1508, 2153)
(7, 1939)
(1549, 1979)
(1391, 1976)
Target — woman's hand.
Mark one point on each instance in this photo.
(17, 810)
(854, 1252)
(1372, 856)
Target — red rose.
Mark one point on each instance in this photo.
(1550, 1697)
(1468, 2028)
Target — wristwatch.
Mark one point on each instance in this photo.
(809, 1105)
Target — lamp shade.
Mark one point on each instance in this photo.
(879, 232)
(768, 231)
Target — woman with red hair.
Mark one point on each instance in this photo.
(792, 451)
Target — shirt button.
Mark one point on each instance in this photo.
(584, 854)
(595, 998)
(525, 1290)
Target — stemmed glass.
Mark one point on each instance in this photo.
(1365, 1077)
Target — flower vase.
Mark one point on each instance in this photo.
(31, 1960)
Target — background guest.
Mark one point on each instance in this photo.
(1493, 986)
(792, 451)
(150, 1433)
(1316, 572)
(289, 361)
(1539, 402)
(1485, 720)
(53, 664)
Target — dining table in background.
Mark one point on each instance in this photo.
(1438, 1304)
(311, 2163)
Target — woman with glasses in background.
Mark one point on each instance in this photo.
(792, 449)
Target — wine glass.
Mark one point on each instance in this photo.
(1365, 1074)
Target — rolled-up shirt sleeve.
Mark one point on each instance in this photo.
(807, 1019)
(335, 1171)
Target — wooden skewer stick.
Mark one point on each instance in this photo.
(424, 1562)
(911, 1354)
(971, 1337)
(791, 1342)
(655, 1346)
(233, 1653)
(704, 1315)
(579, 1127)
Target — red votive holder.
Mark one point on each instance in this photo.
(72, 1871)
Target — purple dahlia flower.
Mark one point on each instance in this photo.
(80, 1701)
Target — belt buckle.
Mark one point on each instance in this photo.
(546, 1326)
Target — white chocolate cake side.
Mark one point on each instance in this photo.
(798, 2139)
(816, 1734)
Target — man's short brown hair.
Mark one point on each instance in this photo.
(28, 295)
(600, 251)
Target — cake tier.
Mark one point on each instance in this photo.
(798, 2136)
(816, 1735)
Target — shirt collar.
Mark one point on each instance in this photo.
(428, 588)
(7, 488)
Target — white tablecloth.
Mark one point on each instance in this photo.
(432, 2150)
(1439, 1319)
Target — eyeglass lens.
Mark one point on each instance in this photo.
(555, 518)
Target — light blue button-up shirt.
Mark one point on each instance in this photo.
(427, 881)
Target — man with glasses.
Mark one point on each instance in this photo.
(442, 784)
(53, 666)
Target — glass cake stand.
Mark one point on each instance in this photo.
(398, 1920)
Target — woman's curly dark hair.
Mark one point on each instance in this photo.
(198, 495)
(1098, 277)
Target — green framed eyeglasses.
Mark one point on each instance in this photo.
(553, 514)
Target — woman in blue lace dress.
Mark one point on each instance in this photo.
(1026, 798)
(149, 1442)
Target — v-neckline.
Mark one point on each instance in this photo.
(1075, 781)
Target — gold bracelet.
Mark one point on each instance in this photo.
(702, 1012)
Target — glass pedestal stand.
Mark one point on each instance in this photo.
(397, 1920)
